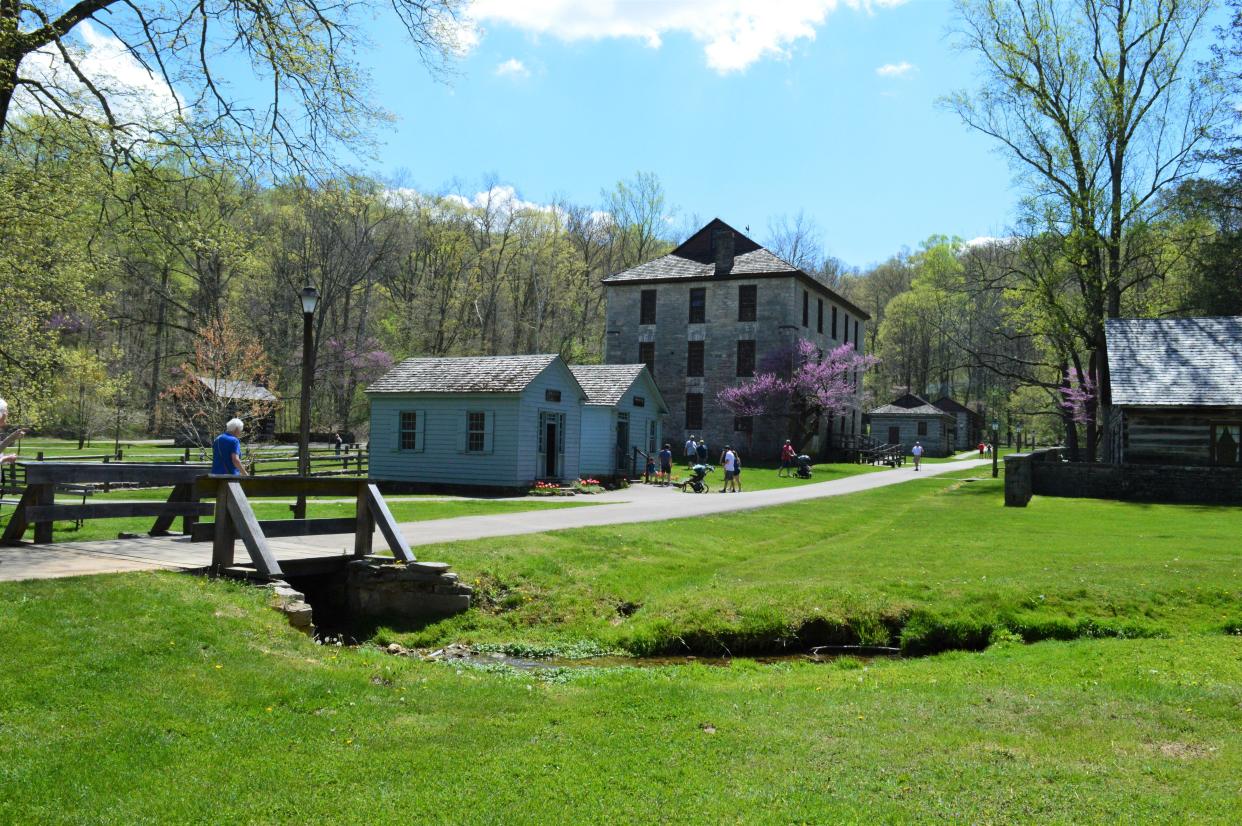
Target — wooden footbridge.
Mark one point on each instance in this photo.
(196, 494)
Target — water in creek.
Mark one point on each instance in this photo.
(468, 656)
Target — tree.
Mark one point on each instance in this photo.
(763, 394)
(200, 403)
(1100, 107)
(803, 383)
(304, 52)
(49, 274)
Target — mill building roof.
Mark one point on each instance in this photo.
(695, 259)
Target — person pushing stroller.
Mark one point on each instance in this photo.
(697, 483)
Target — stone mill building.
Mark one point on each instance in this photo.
(706, 315)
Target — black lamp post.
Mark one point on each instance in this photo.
(1018, 429)
(310, 300)
(995, 448)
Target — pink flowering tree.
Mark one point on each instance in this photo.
(1078, 396)
(351, 366)
(828, 382)
(759, 396)
(818, 383)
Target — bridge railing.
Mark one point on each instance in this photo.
(38, 507)
(235, 518)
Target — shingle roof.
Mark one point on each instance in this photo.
(695, 259)
(475, 374)
(921, 410)
(235, 389)
(1175, 361)
(950, 405)
(909, 400)
(606, 383)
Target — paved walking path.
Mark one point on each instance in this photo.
(639, 503)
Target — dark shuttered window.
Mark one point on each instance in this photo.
(747, 302)
(694, 358)
(646, 312)
(646, 354)
(746, 357)
(694, 411)
(698, 305)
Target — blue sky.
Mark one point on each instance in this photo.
(868, 155)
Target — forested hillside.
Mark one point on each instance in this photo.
(127, 265)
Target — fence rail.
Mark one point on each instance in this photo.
(235, 518)
(38, 507)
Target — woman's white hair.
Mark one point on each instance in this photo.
(234, 426)
(4, 407)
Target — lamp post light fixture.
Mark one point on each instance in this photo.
(1018, 429)
(310, 300)
(995, 448)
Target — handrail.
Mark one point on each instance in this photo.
(235, 518)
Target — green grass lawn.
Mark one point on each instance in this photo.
(157, 697)
(764, 477)
(161, 698)
(933, 564)
(403, 511)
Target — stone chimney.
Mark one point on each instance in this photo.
(722, 248)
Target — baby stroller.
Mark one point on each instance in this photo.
(804, 467)
(696, 483)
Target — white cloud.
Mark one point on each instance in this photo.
(134, 94)
(902, 69)
(990, 241)
(512, 68)
(734, 33)
(501, 198)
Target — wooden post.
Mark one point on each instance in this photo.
(222, 546)
(365, 523)
(44, 495)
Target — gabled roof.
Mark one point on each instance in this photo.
(607, 384)
(910, 400)
(898, 410)
(1175, 361)
(949, 405)
(473, 374)
(695, 259)
(238, 390)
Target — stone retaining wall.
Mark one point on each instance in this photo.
(1042, 473)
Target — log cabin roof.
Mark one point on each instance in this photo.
(1166, 362)
(236, 389)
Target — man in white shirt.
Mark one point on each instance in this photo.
(692, 451)
(729, 460)
(917, 452)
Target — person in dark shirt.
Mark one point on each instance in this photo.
(666, 465)
(226, 451)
